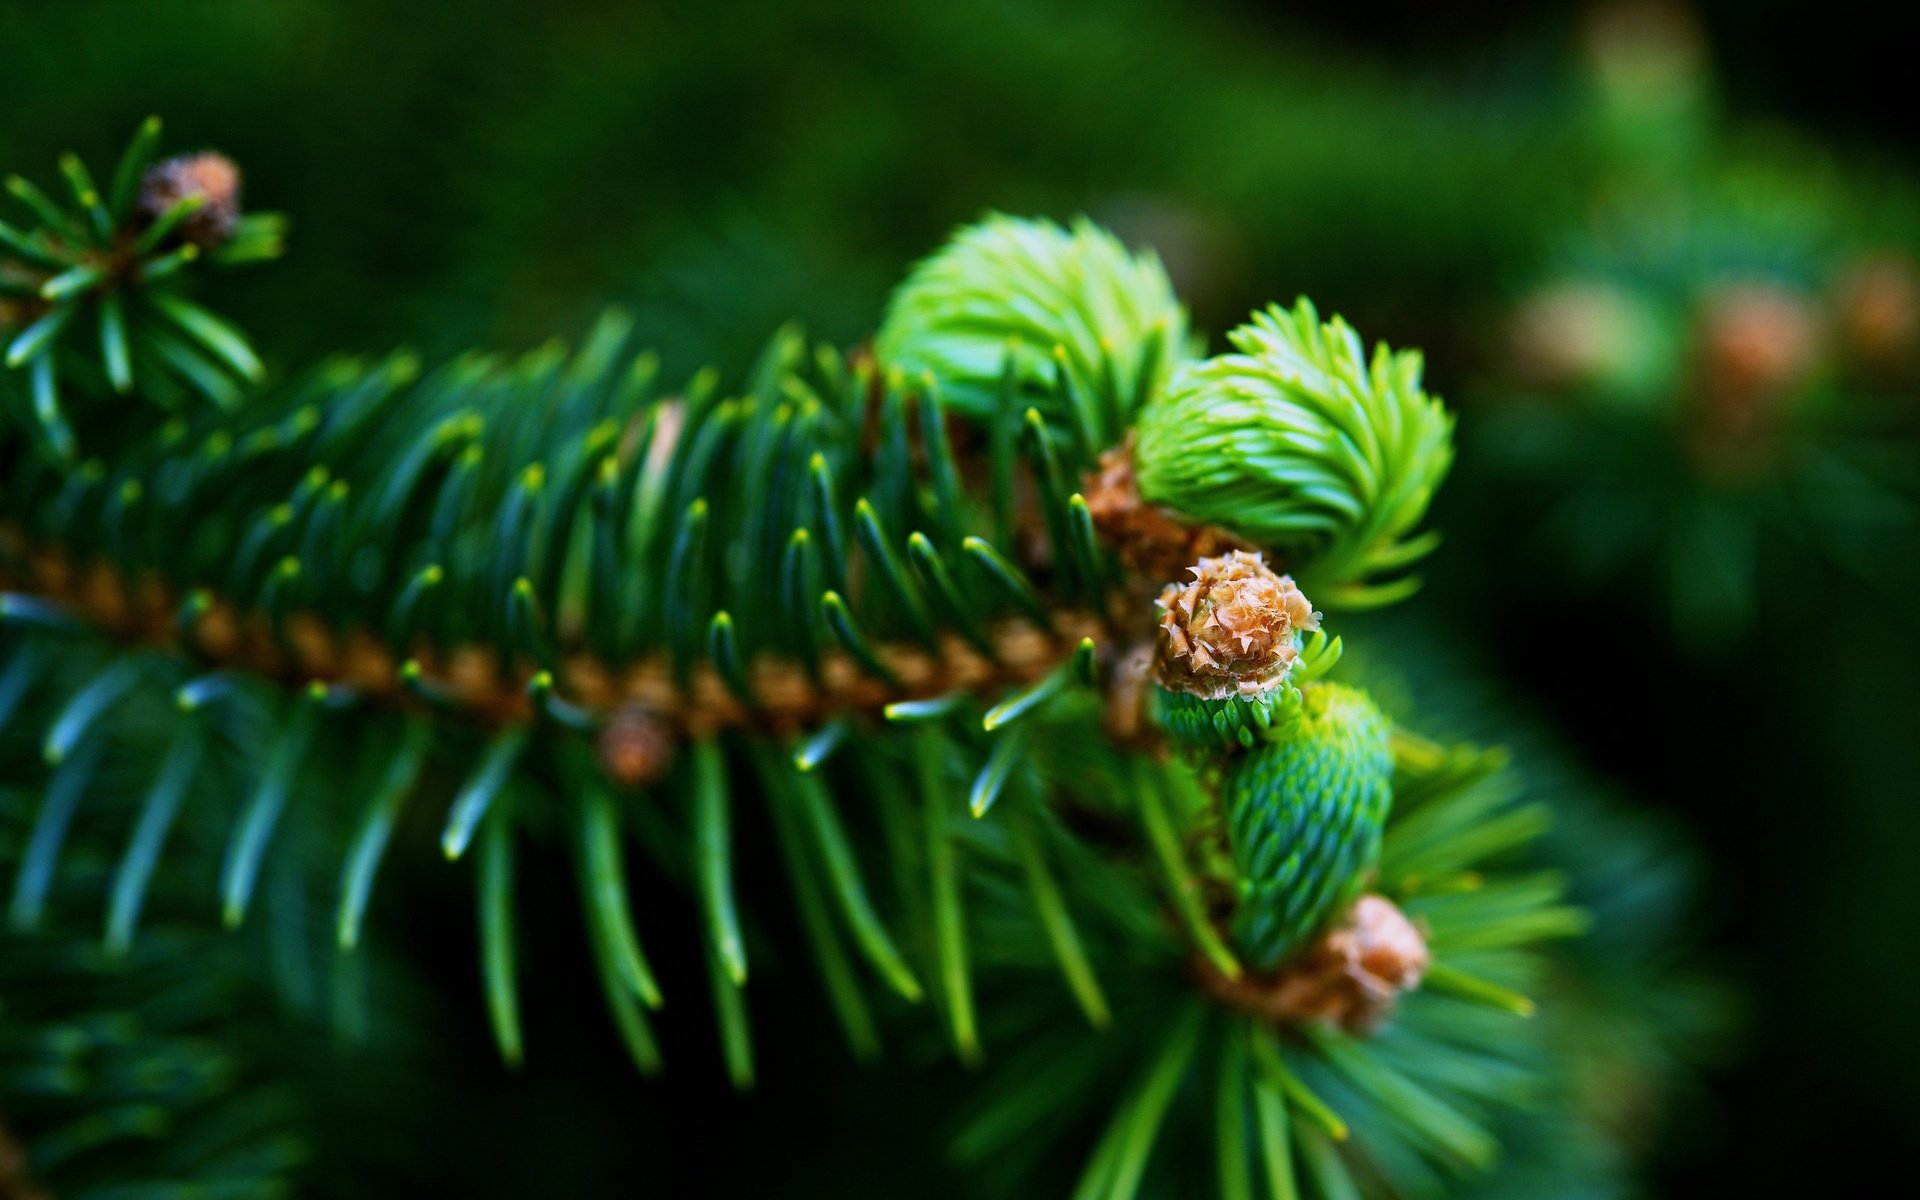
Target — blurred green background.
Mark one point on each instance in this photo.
(492, 173)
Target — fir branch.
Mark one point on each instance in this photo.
(561, 560)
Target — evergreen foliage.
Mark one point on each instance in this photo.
(1327, 781)
(1301, 444)
(564, 600)
(94, 286)
(1070, 312)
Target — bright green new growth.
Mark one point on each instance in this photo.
(1245, 720)
(1044, 302)
(1302, 445)
(1229, 722)
(1304, 817)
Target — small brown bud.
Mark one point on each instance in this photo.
(636, 747)
(209, 175)
(1148, 538)
(1353, 974)
(1230, 631)
(1879, 309)
(1350, 977)
(1756, 338)
(1757, 344)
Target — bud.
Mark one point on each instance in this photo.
(1152, 542)
(1227, 644)
(1350, 977)
(1009, 291)
(1302, 445)
(1354, 973)
(1304, 817)
(1756, 340)
(1879, 309)
(1758, 344)
(1231, 630)
(209, 175)
(636, 747)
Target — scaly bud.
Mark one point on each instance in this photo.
(1231, 630)
(214, 177)
(1228, 640)
(1353, 974)
(1350, 977)
(1150, 540)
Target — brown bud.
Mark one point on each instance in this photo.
(211, 176)
(1879, 309)
(1756, 338)
(636, 747)
(1148, 538)
(1353, 974)
(1230, 631)
(1758, 343)
(1350, 976)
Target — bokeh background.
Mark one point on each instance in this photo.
(1661, 258)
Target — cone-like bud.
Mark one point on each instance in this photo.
(211, 176)
(1228, 640)
(1304, 817)
(1351, 976)
(1230, 631)
(1009, 289)
(1302, 445)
